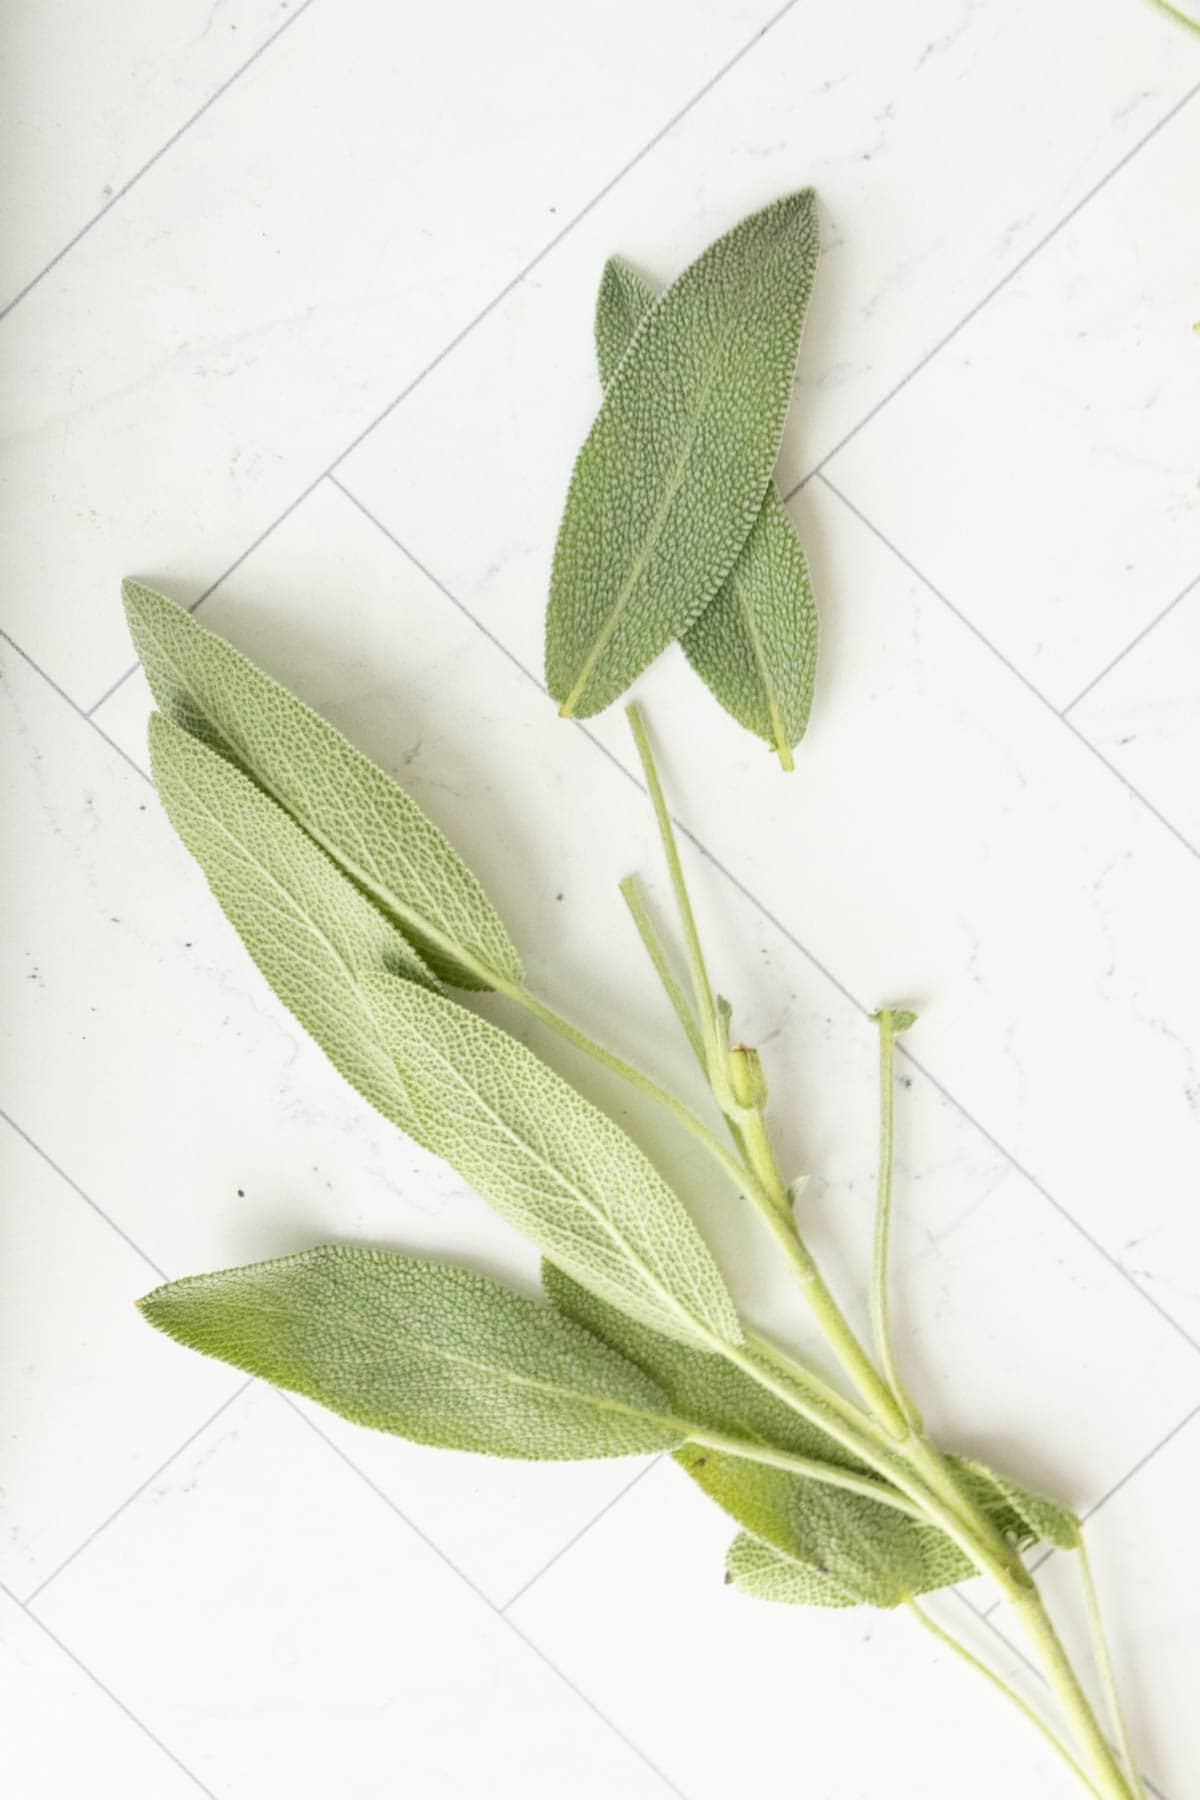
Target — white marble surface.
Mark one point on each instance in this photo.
(303, 314)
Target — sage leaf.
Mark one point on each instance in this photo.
(701, 1385)
(846, 1550)
(370, 827)
(672, 475)
(436, 1354)
(755, 643)
(309, 930)
(549, 1162)
(1024, 1517)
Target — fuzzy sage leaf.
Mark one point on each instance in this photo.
(700, 1385)
(370, 827)
(436, 1354)
(309, 930)
(755, 643)
(672, 475)
(551, 1163)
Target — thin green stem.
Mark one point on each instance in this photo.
(743, 1178)
(1002, 1687)
(1174, 12)
(632, 895)
(1039, 1628)
(834, 1325)
(1108, 1680)
(813, 1470)
(789, 1367)
(701, 986)
(880, 1323)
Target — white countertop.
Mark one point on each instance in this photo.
(300, 323)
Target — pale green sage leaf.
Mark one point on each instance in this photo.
(844, 1550)
(755, 643)
(701, 1385)
(1025, 1518)
(310, 931)
(370, 827)
(436, 1354)
(673, 473)
(553, 1165)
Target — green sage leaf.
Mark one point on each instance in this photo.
(436, 1354)
(672, 475)
(310, 931)
(845, 1550)
(370, 827)
(1024, 1517)
(701, 1385)
(550, 1163)
(755, 643)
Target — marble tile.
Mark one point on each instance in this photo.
(1042, 469)
(943, 145)
(93, 1401)
(1141, 1545)
(301, 255)
(278, 1625)
(58, 1723)
(728, 1693)
(91, 94)
(206, 1125)
(1144, 716)
(988, 1274)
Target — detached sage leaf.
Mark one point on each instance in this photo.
(672, 475)
(550, 1163)
(435, 1354)
(755, 643)
(310, 931)
(369, 826)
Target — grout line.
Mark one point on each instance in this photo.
(67, 1651)
(785, 932)
(581, 1533)
(157, 157)
(74, 704)
(1028, 1663)
(1133, 643)
(86, 1198)
(1018, 674)
(481, 1594)
(553, 243)
(1019, 1653)
(137, 1492)
(1022, 263)
(1036, 1562)
(496, 300)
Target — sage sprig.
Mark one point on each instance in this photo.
(357, 911)
(673, 474)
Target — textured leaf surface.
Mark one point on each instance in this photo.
(309, 929)
(846, 1550)
(817, 1546)
(701, 1385)
(755, 643)
(1024, 1517)
(672, 475)
(436, 1354)
(368, 825)
(552, 1164)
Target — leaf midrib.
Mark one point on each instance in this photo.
(364, 1334)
